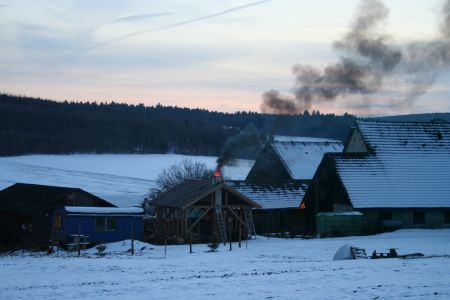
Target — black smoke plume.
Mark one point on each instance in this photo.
(246, 144)
(369, 59)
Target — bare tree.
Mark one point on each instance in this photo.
(175, 174)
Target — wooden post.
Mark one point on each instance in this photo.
(188, 223)
(230, 225)
(132, 238)
(240, 234)
(165, 247)
(79, 237)
(246, 241)
(213, 217)
(165, 237)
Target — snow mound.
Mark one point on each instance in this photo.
(345, 252)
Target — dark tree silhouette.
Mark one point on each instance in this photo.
(30, 125)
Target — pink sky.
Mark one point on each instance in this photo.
(218, 55)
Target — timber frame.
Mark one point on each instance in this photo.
(203, 212)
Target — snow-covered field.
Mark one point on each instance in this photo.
(122, 179)
(267, 269)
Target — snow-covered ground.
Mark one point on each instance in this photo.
(122, 179)
(267, 269)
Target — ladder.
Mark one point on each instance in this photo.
(249, 222)
(221, 223)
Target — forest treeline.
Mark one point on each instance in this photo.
(32, 125)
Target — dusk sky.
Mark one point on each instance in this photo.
(219, 55)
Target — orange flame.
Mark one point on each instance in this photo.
(217, 172)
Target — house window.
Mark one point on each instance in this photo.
(386, 215)
(105, 223)
(419, 217)
(58, 222)
(447, 217)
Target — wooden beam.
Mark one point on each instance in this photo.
(201, 206)
(237, 217)
(199, 219)
(231, 206)
(185, 225)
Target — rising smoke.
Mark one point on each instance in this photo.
(369, 59)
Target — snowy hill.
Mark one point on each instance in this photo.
(122, 179)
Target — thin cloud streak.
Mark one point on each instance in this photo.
(221, 13)
(138, 17)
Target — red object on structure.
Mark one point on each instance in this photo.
(217, 173)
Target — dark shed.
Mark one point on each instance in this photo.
(25, 212)
(280, 211)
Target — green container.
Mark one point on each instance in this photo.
(333, 224)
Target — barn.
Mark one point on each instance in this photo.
(280, 211)
(295, 159)
(202, 211)
(394, 173)
(279, 179)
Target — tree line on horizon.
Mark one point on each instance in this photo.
(37, 126)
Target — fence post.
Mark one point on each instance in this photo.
(230, 225)
(132, 237)
(165, 247)
(79, 237)
(240, 234)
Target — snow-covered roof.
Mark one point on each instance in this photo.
(409, 166)
(301, 159)
(285, 138)
(345, 213)
(190, 191)
(271, 195)
(103, 210)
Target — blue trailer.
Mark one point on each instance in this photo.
(95, 225)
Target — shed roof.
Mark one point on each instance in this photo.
(301, 159)
(272, 195)
(190, 191)
(103, 210)
(24, 198)
(408, 166)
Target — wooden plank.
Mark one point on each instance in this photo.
(201, 206)
(237, 217)
(199, 219)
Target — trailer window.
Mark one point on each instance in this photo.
(105, 223)
(58, 222)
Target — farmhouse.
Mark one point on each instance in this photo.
(201, 211)
(394, 173)
(32, 215)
